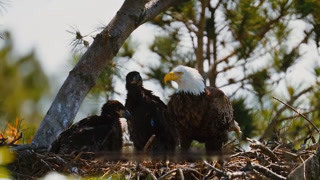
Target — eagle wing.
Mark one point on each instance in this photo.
(74, 134)
(220, 108)
(163, 128)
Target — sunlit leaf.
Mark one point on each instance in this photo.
(6, 155)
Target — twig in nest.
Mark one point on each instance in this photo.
(228, 143)
(265, 150)
(167, 174)
(230, 175)
(288, 155)
(148, 171)
(47, 165)
(192, 170)
(208, 174)
(151, 139)
(278, 168)
(194, 176)
(267, 172)
(181, 173)
(219, 172)
(302, 115)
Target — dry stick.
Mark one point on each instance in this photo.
(181, 173)
(46, 164)
(167, 174)
(230, 175)
(192, 170)
(221, 173)
(194, 176)
(208, 174)
(267, 172)
(279, 168)
(174, 170)
(228, 143)
(265, 150)
(297, 113)
(148, 171)
(146, 147)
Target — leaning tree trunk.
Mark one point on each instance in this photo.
(82, 78)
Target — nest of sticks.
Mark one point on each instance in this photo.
(269, 160)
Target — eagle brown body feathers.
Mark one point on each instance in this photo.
(205, 117)
(94, 133)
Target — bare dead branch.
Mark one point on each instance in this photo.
(297, 115)
(276, 117)
(315, 127)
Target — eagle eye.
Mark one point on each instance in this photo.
(179, 73)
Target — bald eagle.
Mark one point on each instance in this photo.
(200, 113)
(94, 133)
(149, 116)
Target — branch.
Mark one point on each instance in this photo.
(297, 115)
(275, 119)
(155, 7)
(302, 115)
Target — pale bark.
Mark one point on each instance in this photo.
(82, 78)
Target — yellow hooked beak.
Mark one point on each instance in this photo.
(171, 76)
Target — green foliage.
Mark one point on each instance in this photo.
(245, 24)
(258, 82)
(307, 7)
(7, 156)
(165, 46)
(249, 46)
(316, 71)
(309, 10)
(244, 116)
(284, 60)
(22, 84)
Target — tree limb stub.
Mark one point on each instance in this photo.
(84, 75)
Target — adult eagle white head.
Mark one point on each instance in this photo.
(200, 113)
